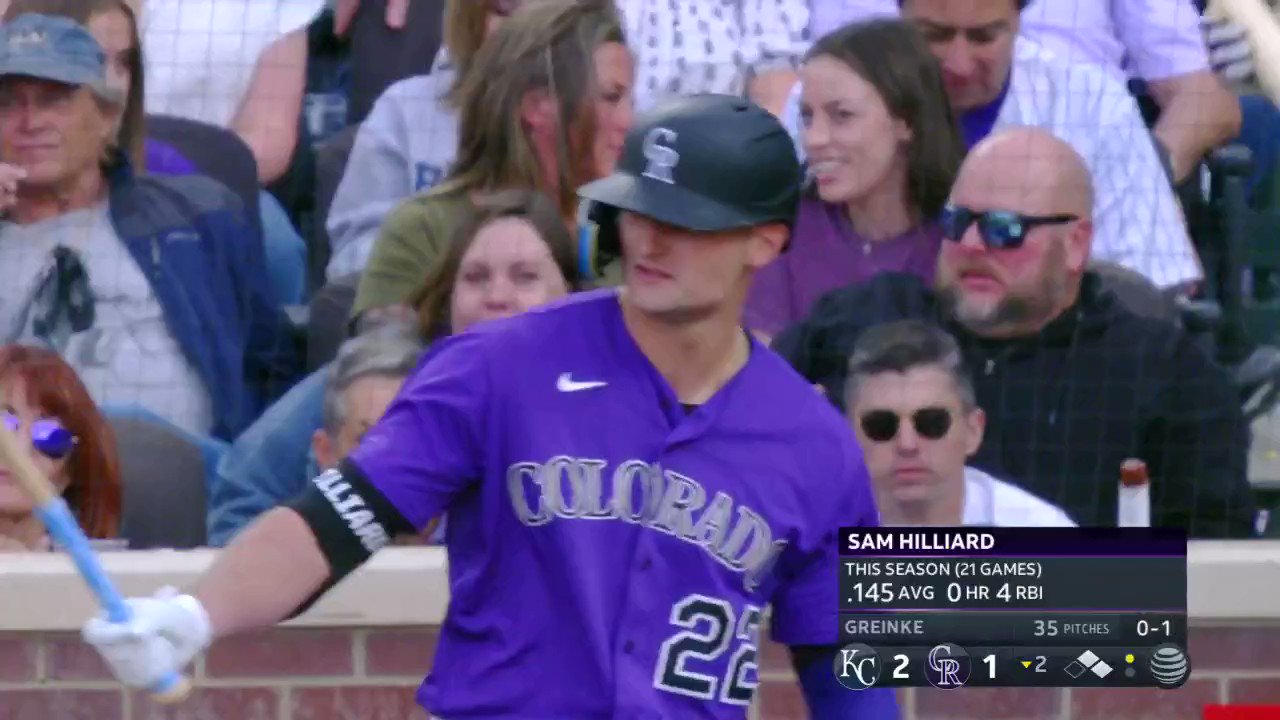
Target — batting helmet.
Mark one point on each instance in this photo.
(700, 162)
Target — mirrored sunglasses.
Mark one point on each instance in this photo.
(999, 229)
(47, 435)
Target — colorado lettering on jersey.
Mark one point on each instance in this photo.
(645, 494)
(353, 510)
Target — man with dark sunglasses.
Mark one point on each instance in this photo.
(1073, 383)
(913, 409)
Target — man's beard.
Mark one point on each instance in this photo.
(1010, 311)
(1018, 309)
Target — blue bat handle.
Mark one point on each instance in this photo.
(64, 529)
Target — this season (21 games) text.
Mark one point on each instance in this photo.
(871, 583)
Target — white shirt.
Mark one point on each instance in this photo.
(828, 15)
(128, 356)
(990, 502)
(695, 46)
(1137, 220)
(200, 54)
(1149, 39)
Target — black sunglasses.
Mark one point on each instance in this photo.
(63, 292)
(999, 229)
(931, 423)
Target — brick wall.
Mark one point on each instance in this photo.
(371, 674)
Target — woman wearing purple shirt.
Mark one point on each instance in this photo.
(883, 149)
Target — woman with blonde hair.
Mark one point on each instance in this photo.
(408, 142)
(545, 106)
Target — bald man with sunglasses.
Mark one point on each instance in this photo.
(1072, 382)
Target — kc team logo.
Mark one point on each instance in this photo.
(857, 666)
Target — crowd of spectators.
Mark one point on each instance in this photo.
(244, 220)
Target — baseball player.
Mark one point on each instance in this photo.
(630, 478)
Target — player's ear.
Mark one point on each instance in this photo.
(766, 244)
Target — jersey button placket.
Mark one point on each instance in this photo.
(633, 685)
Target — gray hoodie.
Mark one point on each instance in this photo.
(404, 147)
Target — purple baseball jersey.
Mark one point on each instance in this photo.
(611, 554)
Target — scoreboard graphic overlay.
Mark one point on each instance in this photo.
(1013, 607)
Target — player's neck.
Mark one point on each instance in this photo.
(696, 358)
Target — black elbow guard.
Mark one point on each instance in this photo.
(350, 518)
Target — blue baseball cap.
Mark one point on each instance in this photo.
(54, 48)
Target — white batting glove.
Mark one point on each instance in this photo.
(166, 631)
(1229, 51)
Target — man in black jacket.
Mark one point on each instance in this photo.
(1072, 382)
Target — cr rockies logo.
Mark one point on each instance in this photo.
(949, 666)
(857, 666)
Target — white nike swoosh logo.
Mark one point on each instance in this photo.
(566, 383)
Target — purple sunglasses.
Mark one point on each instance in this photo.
(48, 436)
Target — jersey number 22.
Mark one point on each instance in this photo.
(710, 627)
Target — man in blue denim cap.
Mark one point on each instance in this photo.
(55, 48)
(152, 288)
(55, 106)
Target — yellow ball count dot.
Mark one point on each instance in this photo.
(1128, 658)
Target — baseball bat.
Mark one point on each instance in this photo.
(63, 528)
(1263, 31)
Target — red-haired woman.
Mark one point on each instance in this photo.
(43, 400)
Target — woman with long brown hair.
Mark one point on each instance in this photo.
(43, 400)
(544, 106)
(410, 138)
(883, 148)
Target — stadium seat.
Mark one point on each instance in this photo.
(1244, 243)
(164, 485)
(328, 325)
(1137, 293)
(216, 151)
